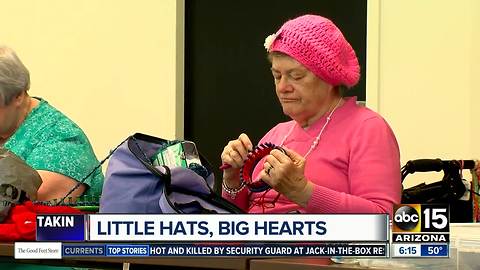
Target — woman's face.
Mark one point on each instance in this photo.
(301, 94)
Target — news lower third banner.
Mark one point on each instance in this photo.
(418, 230)
(118, 235)
(57, 250)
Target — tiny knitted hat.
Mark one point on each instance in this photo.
(320, 46)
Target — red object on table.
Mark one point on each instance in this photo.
(21, 222)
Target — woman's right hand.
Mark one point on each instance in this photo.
(235, 154)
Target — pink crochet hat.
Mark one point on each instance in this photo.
(318, 44)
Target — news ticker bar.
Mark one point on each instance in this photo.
(420, 250)
(58, 250)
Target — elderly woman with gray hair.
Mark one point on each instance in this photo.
(42, 136)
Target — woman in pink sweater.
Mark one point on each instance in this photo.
(339, 157)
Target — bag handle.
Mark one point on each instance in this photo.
(143, 157)
(132, 141)
(150, 167)
(90, 173)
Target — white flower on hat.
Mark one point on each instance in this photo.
(269, 41)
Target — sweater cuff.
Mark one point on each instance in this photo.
(323, 200)
(241, 200)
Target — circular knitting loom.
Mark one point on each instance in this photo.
(259, 152)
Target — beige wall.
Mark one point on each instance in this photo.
(475, 79)
(110, 65)
(428, 67)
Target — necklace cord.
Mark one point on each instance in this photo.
(261, 200)
(317, 138)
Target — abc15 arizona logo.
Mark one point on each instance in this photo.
(421, 218)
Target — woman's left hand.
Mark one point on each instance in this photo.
(285, 174)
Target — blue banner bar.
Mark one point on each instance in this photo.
(225, 250)
(434, 250)
(247, 249)
(127, 250)
(60, 227)
(85, 250)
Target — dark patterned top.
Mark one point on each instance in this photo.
(47, 140)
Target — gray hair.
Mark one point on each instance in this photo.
(14, 76)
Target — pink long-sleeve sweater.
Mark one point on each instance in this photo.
(355, 168)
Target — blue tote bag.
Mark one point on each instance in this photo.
(134, 185)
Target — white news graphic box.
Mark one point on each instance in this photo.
(38, 250)
(259, 227)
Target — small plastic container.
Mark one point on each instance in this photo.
(468, 256)
(465, 240)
